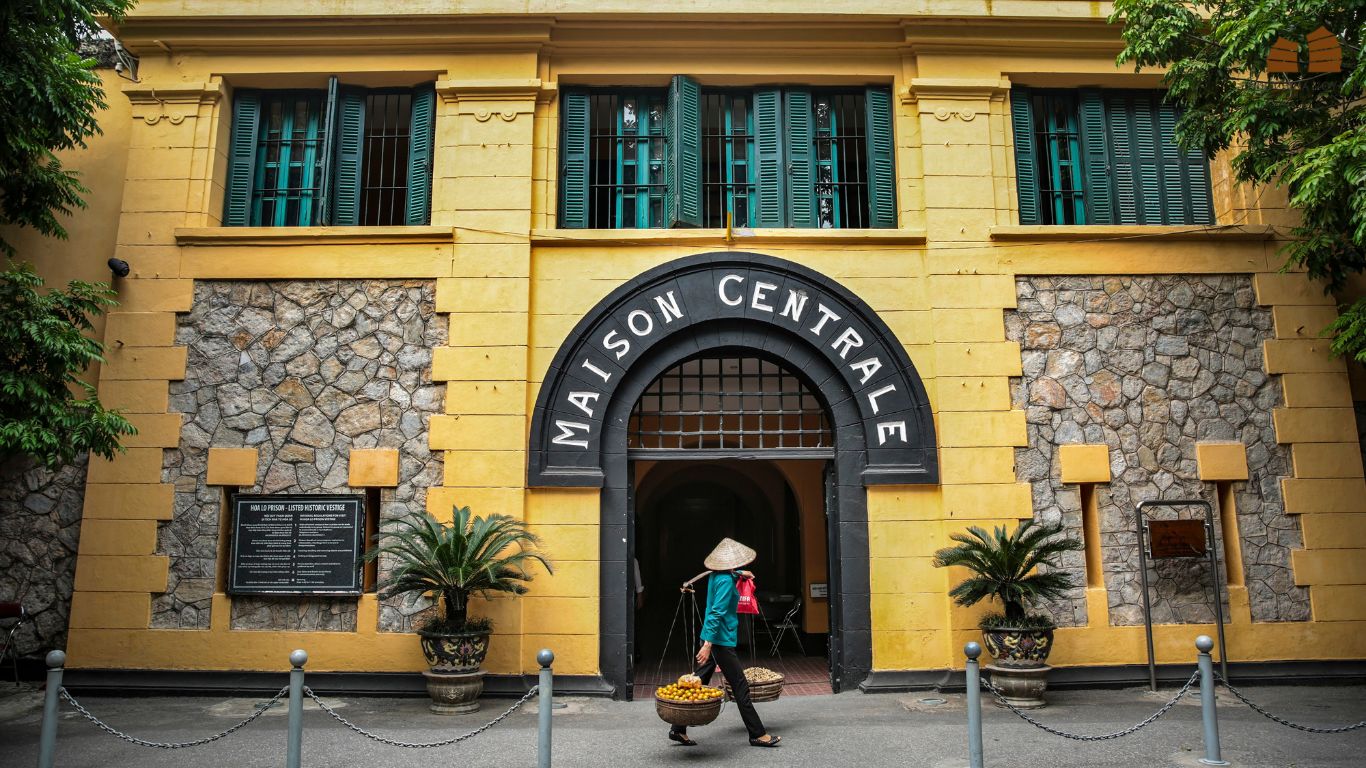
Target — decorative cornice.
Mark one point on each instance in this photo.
(227, 236)
(1144, 232)
(1052, 36)
(953, 89)
(172, 103)
(504, 99)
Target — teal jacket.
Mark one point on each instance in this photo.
(719, 625)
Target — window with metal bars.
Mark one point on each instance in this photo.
(626, 181)
(841, 161)
(289, 161)
(342, 156)
(727, 160)
(727, 403)
(768, 157)
(1093, 156)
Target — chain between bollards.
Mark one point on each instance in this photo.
(974, 683)
(47, 741)
(294, 747)
(544, 707)
(1208, 715)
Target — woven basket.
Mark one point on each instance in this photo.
(760, 692)
(687, 713)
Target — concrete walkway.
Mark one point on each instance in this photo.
(850, 729)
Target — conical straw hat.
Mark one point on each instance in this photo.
(729, 554)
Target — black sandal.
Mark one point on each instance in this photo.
(772, 741)
(681, 738)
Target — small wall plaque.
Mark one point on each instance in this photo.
(297, 545)
(1176, 538)
(820, 590)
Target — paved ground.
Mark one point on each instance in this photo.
(850, 729)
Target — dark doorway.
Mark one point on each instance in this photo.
(682, 509)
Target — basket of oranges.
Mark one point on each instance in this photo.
(688, 702)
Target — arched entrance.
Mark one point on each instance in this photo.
(730, 445)
(740, 306)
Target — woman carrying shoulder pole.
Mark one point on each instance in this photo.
(719, 635)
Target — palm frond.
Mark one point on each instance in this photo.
(1005, 565)
(469, 556)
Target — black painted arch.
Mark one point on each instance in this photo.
(897, 442)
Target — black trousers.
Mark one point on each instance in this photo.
(724, 656)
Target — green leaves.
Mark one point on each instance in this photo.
(1004, 565)
(49, 97)
(1304, 132)
(472, 555)
(44, 348)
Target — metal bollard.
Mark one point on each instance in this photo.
(47, 741)
(1207, 712)
(973, 650)
(294, 749)
(544, 705)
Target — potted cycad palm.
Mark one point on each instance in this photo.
(1004, 567)
(471, 555)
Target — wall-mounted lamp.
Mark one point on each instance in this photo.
(119, 267)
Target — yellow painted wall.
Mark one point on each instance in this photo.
(90, 242)
(514, 285)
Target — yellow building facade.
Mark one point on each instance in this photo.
(1049, 369)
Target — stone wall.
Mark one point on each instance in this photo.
(303, 371)
(1149, 366)
(40, 527)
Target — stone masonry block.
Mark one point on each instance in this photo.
(1314, 425)
(128, 501)
(1221, 461)
(232, 466)
(1084, 463)
(373, 468)
(1288, 288)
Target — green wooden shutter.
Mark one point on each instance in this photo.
(1175, 206)
(1096, 158)
(419, 205)
(770, 177)
(683, 161)
(881, 159)
(575, 109)
(1123, 163)
(246, 120)
(1147, 164)
(1196, 167)
(801, 159)
(329, 153)
(1026, 156)
(350, 157)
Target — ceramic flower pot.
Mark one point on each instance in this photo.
(455, 652)
(1018, 648)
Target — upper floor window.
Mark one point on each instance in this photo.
(1105, 157)
(342, 157)
(768, 157)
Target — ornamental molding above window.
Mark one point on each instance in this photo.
(505, 99)
(172, 104)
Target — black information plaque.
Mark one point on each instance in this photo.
(297, 545)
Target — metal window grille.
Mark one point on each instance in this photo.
(727, 159)
(289, 157)
(841, 160)
(728, 403)
(626, 160)
(1061, 190)
(384, 179)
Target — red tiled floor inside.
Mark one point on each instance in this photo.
(803, 675)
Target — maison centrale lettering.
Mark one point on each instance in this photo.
(800, 308)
